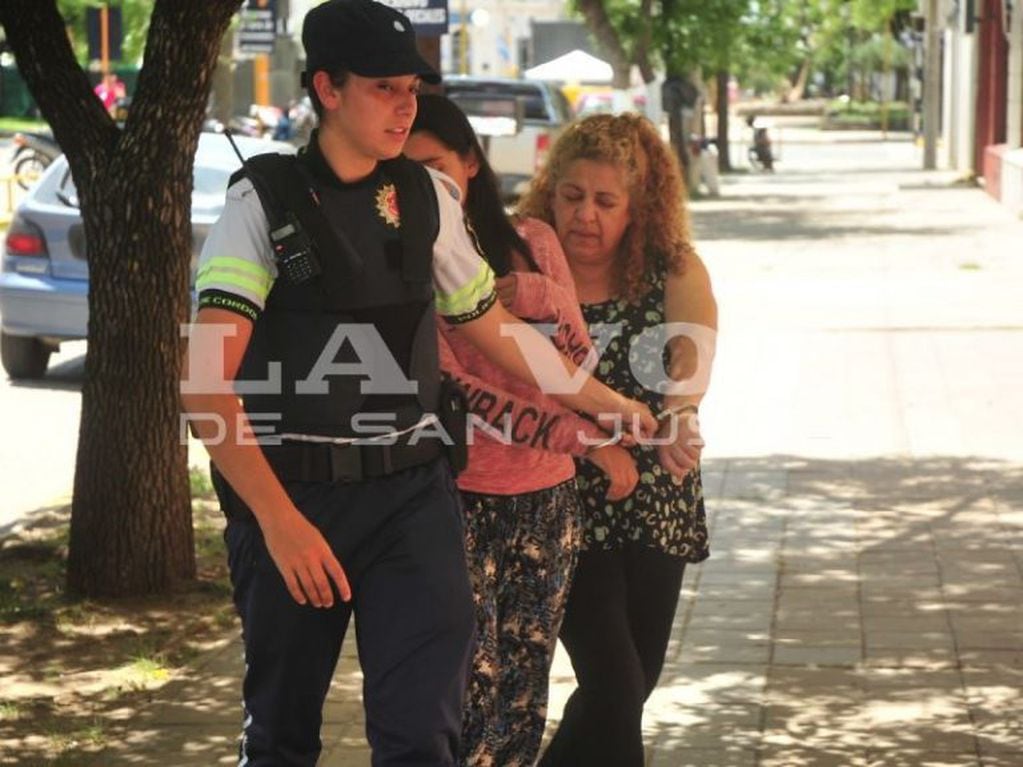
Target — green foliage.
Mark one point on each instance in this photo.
(134, 23)
(843, 114)
(695, 34)
(200, 483)
(876, 15)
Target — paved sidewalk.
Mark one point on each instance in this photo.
(863, 603)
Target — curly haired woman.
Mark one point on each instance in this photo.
(613, 193)
(522, 509)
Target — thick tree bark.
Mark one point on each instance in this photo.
(131, 528)
(602, 28)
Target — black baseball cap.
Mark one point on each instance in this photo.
(365, 37)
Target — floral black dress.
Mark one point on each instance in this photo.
(658, 513)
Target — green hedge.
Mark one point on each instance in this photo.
(865, 115)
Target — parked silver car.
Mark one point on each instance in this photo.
(44, 282)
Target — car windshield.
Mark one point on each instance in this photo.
(207, 182)
(534, 104)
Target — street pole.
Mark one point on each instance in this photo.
(463, 39)
(932, 85)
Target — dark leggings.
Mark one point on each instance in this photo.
(616, 629)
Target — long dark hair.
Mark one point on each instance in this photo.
(497, 237)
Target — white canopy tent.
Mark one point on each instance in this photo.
(575, 66)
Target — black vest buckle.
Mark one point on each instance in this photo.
(345, 463)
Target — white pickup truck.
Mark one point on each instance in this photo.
(545, 112)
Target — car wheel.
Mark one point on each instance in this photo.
(28, 169)
(24, 356)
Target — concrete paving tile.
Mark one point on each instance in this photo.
(891, 589)
(905, 557)
(796, 562)
(823, 635)
(758, 621)
(934, 658)
(739, 577)
(990, 617)
(993, 640)
(699, 635)
(821, 599)
(671, 754)
(822, 577)
(921, 757)
(755, 485)
(1000, 735)
(1001, 760)
(839, 731)
(847, 621)
(882, 682)
(933, 621)
(916, 738)
(756, 654)
(987, 658)
(994, 695)
(699, 684)
(758, 591)
(817, 722)
(743, 554)
(792, 682)
(712, 474)
(836, 655)
(909, 640)
(890, 581)
(900, 606)
(786, 756)
(713, 737)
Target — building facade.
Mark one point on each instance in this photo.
(982, 93)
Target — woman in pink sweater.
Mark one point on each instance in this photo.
(522, 510)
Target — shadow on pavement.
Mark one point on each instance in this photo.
(853, 612)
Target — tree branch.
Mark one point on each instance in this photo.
(35, 31)
(644, 42)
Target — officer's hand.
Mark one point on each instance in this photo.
(619, 466)
(681, 455)
(506, 287)
(305, 561)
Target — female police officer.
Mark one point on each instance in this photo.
(325, 328)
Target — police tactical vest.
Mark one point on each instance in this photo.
(359, 340)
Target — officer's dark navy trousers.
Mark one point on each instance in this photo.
(400, 541)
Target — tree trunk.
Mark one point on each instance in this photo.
(131, 528)
(724, 158)
(644, 42)
(799, 86)
(604, 32)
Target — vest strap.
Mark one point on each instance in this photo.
(325, 462)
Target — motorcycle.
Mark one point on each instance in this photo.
(759, 153)
(33, 152)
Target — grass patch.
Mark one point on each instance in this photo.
(199, 481)
(70, 667)
(970, 266)
(15, 124)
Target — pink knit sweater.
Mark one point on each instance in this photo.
(544, 435)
